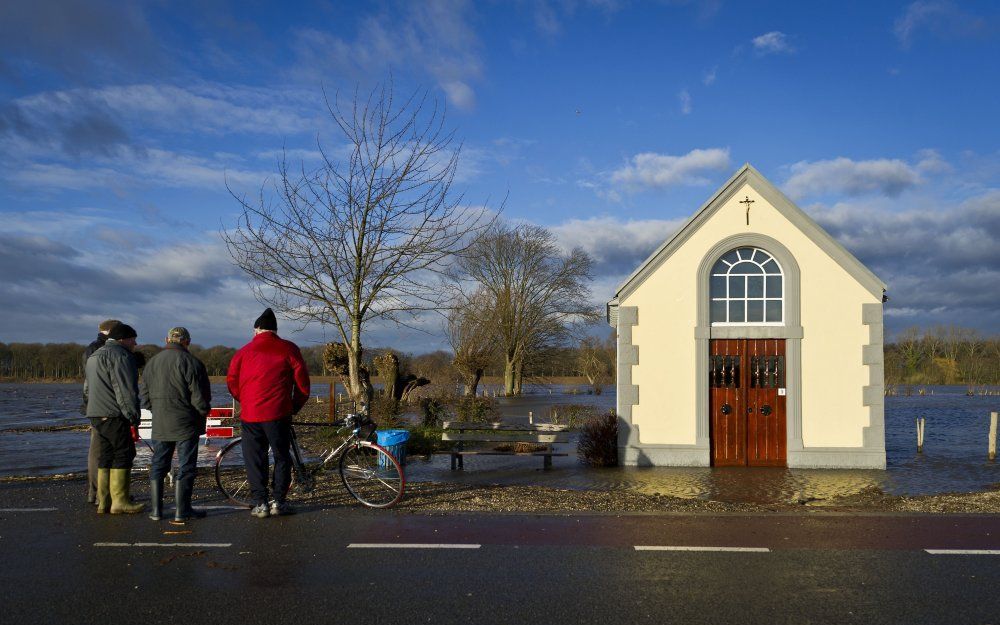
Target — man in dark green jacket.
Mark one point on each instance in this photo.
(177, 391)
(111, 391)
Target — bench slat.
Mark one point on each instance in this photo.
(500, 453)
(504, 427)
(510, 438)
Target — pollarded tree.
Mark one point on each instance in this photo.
(535, 290)
(471, 330)
(363, 236)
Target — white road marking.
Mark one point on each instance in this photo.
(963, 552)
(411, 546)
(163, 544)
(221, 507)
(686, 548)
(28, 509)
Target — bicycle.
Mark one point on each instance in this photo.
(370, 474)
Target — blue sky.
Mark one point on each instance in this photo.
(607, 121)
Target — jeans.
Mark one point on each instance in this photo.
(257, 437)
(187, 459)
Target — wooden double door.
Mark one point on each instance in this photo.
(746, 380)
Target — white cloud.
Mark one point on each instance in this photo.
(685, 99)
(459, 94)
(943, 19)
(845, 176)
(202, 108)
(652, 170)
(931, 162)
(616, 246)
(433, 37)
(774, 42)
(708, 78)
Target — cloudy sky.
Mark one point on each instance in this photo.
(608, 121)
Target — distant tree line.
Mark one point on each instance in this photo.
(64, 361)
(943, 354)
(936, 355)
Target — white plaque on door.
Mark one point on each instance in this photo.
(781, 391)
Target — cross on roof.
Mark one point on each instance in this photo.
(748, 202)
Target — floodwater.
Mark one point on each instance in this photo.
(954, 457)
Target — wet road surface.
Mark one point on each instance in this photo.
(64, 564)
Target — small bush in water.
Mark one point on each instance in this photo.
(598, 444)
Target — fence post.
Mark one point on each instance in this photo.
(332, 410)
(921, 421)
(993, 436)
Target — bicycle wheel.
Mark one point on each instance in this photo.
(372, 475)
(230, 474)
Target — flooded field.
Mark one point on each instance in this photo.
(954, 457)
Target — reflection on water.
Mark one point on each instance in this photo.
(954, 457)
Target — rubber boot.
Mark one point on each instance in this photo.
(119, 494)
(128, 486)
(156, 499)
(103, 491)
(182, 501)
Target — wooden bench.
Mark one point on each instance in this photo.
(463, 432)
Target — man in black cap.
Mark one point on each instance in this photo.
(111, 391)
(269, 378)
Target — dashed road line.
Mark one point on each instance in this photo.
(690, 548)
(411, 546)
(141, 545)
(28, 509)
(221, 507)
(963, 552)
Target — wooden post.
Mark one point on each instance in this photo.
(993, 436)
(921, 421)
(332, 410)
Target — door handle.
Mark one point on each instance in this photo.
(766, 410)
(726, 409)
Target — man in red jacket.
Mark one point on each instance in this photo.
(269, 378)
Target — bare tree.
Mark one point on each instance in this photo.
(471, 328)
(595, 360)
(363, 236)
(535, 290)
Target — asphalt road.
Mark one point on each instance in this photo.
(61, 563)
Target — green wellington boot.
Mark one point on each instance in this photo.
(103, 491)
(119, 494)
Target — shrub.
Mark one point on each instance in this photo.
(598, 444)
(571, 414)
(434, 411)
(423, 441)
(476, 409)
(386, 411)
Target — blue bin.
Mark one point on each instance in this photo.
(394, 442)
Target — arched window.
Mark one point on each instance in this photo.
(746, 289)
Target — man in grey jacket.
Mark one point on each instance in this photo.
(177, 391)
(111, 391)
(95, 445)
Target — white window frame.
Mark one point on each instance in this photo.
(746, 299)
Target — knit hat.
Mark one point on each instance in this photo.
(122, 331)
(266, 321)
(178, 335)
